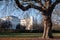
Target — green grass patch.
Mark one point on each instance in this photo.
(24, 34)
(56, 34)
(20, 34)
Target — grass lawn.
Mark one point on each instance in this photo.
(56, 34)
(24, 34)
(20, 34)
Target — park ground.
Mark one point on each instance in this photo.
(26, 36)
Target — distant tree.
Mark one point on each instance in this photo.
(46, 8)
(20, 27)
(6, 24)
(1, 22)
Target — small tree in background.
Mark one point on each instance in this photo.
(6, 24)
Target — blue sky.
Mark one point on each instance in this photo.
(10, 8)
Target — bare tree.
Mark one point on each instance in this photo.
(46, 8)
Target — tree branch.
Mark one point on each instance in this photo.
(54, 4)
(28, 7)
(47, 3)
(34, 6)
(19, 5)
(40, 4)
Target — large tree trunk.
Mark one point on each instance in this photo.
(47, 26)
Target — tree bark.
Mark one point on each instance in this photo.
(47, 26)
